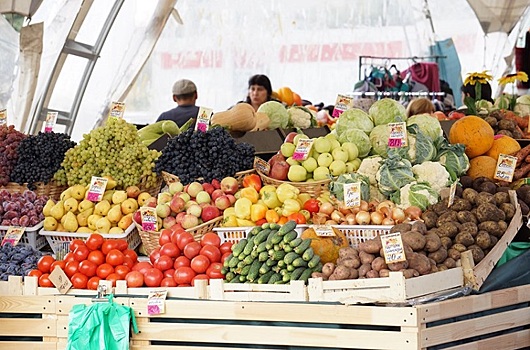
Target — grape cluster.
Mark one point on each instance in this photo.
(17, 260)
(195, 155)
(9, 141)
(39, 157)
(114, 149)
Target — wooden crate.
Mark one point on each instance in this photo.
(294, 291)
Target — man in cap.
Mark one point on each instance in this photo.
(185, 95)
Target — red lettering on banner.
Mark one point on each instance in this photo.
(192, 59)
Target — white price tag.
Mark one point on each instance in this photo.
(393, 247)
(96, 189)
(397, 135)
(505, 167)
(116, 110)
(452, 193)
(342, 104)
(203, 119)
(323, 230)
(149, 219)
(262, 166)
(51, 120)
(3, 117)
(352, 194)
(156, 302)
(13, 235)
(303, 148)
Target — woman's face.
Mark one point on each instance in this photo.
(257, 94)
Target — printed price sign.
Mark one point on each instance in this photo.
(116, 110)
(149, 218)
(397, 135)
(393, 247)
(3, 116)
(352, 194)
(60, 280)
(13, 235)
(342, 104)
(51, 120)
(303, 147)
(452, 193)
(203, 119)
(96, 189)
(323, 230)
(262, 166)
(505, 167)
(156, 302)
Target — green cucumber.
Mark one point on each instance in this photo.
(261, 247)
(254, 231)
(299, 262)
(245, 270)
(227, 260)
(287, 248)
(264, 268)
(291, 268)
(269, 243)
(279, 255)
(239, 246)
(289, 236)
(288, 226)
(265, 278)
(286, 278)
(249, 260)
(235, 279)
(250, 245)
(229, 276)
(254, 253)
(262, 236)
(290, 257)
(282, 264)
(295, 242)
(266, 225)
(303, 246)
(314, 261)
(306, 274)
(270, 262)
(274, 278)
(242, 279)
(308, 254)
(274, 226)
(233, 262)
(277, 238)
(254, 271)
(297, 273)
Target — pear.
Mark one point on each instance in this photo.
(70, 205)
(63, 219)
(108, 195)
(102, 208)
(47, 207)
(78, 192)
(103, 225)
(66, 194)
(84, 205)
(60, 228)
(57, 211)
(129, 206)
(119, 196)
(116, 230)
(92, 219)
(83, 229)
(50, 224)
(114, 215)
(126, 221)
(82, 217)
(70, 223)
(111, 183)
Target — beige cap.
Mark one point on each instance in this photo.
(184, 86)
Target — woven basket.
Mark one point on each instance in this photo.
(150, 238)
(153, 190)
(314, 188)
(239, 176)
(51, 189)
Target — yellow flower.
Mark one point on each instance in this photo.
(511, 78)
(477, 77)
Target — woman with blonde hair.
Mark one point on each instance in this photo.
(420, 105)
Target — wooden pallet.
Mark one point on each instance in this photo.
(294, 291)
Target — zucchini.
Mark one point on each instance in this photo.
(299, 262)
(295, 242)
(303, 246)
(297, 273)
(265, 278)
(288, 226)
(239, 246)
(308, 254)
(274, 278)
(290, 236)
(290, 257)
(314, 261)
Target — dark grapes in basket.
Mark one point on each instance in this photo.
(9, 142)
(17, 260)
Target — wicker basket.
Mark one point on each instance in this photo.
(153, 190)
(150, 238)
(51, 189)
(239, 176)
(314, 188)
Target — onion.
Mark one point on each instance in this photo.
(413, 213)
(362, 217)
(364, 206)
(331, 222)
(384, 204)
(388, 222)
(337, 216)
(319, 218)
(376, 218)
(355, 209)
(350, 219)
(398, 215)
(326, 208)
(343, 209)
(385, 211)
(372, 205)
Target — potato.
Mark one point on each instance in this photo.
(492, 227)
(507, 124)
(524, 207)
(460, 247)
(488, 187)
(420, 263)
(503, 189)
(318, 275)
(523, 193)
(372, 274)
(348, 252)
(406, 248)
(420, 227)
(438, 256)
(502, 225)
(354, 274)
(341, 273)
(479, 181)
(433, 242)
(353, 263)
(364, 269)
(470, 195)
(366, 258)
(489, 211)
(493, 240)
(384, 273)
(449, 229)
(461, 204)
(465, 238)
(440, 207)
(501, 197)
(397, 266)
(409, 273)
(414, 239)
(483, 239)
(508, 209)
(429, 217)
(371, 246)
(403, 227)
(453, 254)
(434, 268)
(441, 267)
(446, 242)
(449, 263)
(327, 269)
(448, 216)
(466, 181)
(469, 227)
(478, 253)
(378, 264)
(464, 216)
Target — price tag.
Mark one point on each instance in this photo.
(60, 280)
(352, 194)
(397, 135)
(262, 166)
(156, 302)
(203, 119)
(148, 215)
(3, 117)
(13, 235)
(303, 147)
(505, 167)
(452, 193)
(393, 247)
(116, 110)
(51, 120)
(96, 189)
(323, 230)
(342, 104)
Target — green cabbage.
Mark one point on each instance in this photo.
(379, 140)
(337, 187)
(354, 118)
(393, 174)
(420, 195)
(502, 102)
(387, 111)
(359, 138)
(453, 158)
(429, 125)
(277, 113)
(522, 105)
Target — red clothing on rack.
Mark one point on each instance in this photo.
(426, 73)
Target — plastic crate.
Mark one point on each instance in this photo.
(235, 234)
(60, 241)
(30, 236)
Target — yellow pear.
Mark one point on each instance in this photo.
(114, 215)
(116, 230)
(47, 207)
(103, 225)
(102, 208)
(82, 217)
(126, 221)
(70, 223)
(142, 198)
(82, 229)
(78, 192)
(92, 219)
(60, 228)
(50, 224)
(63, 219)
(119, 196)
(129, 206)
(108, 195)
(70, 204)
(84, 205)
(57, 211)
(66, 194)
(111, 183)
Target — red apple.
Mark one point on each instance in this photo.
(223, 202)
(216, 194)
(132, 191)
(216, 184)
(279, 170)
(168, 222)
(210, 212)
(177, 204)
(290, 137)
(229, 185)
(150, 202)
(180, 217)
(137, 217)
(208, 187)
(231, 198)
(276, 158)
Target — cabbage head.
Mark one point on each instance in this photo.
(354, 118)
(522, 105)
(277, 113)
(429, 125)
(337, 187)
(387, 111)
(420, 195)
(359, 138)
(502, 102)
(379, 140)
(393, 174)
(453, 158)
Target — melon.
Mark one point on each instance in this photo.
(474, 133)
(503, 144)
(482, 166)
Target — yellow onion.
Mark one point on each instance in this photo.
(388, 222)
(337, 216)
(376, 218)
(413, 213)
(398, 215)
(326, 208)
(362, 217)
(350, 219)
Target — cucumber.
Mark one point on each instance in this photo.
(299, 262)
(250, 245)
(245, 270)
(282, 264)
(262, 236)
(306, 274)
(254, 253)
(229, 276)
(263, 256)
(254, 231)
(254, 271)
(274, 278)
(261, 247)
(295, 242)
(274, 226)
(265, 278)
(279, 255)
(235, 279)
(266, 225)
(239, 246)
(264, 268)
(287, 277)
(279, 282)
(288, 226)
(297, 273)
(227, 260)
(308, 254)
(303, 246)
(290, 236)
(270, 262)
(249, 260)
(241, 264)
(277, 238)
(287, 248)
(291, 268)
(233, 261)
(269, 243)
(314, 261)
(242, 279)
(290, 257)
(283, 272)
(318, 268)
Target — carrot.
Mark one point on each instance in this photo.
(521, 172)
(521, 122)
(522, 154)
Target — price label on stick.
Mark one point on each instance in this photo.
(393, 247)
(303, 147)
(203, 119)
(156, 302)
(262, 166)
(352, 194)
(397, 135)
(60, 280)
(323, 230)
(13, 235)
(3, 117)
(116, 110)
(51, 120)
(96, 189)
(343, 103)
(505, 167)
(452, 193)
(149, 219)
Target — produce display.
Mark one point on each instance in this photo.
(9, 141)
(17, 260)
(21, 209)
(152, 132)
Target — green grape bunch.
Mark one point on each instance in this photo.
(113, 149)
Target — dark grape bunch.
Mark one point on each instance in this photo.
(9, 141)
(205, 155)
(18, 260)
(39, 157)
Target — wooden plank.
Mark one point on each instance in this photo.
(432, 283)
(515, 340)
(468, 264)
(62, 326)
(14, 285)
(66, 302)
(294, 336)
(31, 285)
(474, 327)
(29, 305)
(27, 345)
(32, 327)
(294, 291)
(282, 312)
(187, 347)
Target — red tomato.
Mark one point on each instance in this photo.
(114, 257)
(44, 280)
(121, 244)
(226, 247)
(87, 268)
(128, 262)
(93, 283)
(131, 254)
(192, 249)
(96, 256)
(181, 261)
(35, 273)
(94, 241)
(165, 236)
(79, 281)
(169, 273)
(69, 257)
(175, 233)
(142, 266)
(108, 245)
(76, 243)
(60, 263)
(122, 271)
(71, 268)
(199, 277)
(225, 255)
(134, 279)
(155, 254)
(183, 239)
(312, 205)
(81, 253)
(153, 277)
(168, 282)
(184, 285)
(214, 270)
(211, 238)
(163, 263)
(104, 270)
(184, 275)
(200, 264)
(170, 249)
(45, 262)
(211, 252)
(113, 277)
(299, 218)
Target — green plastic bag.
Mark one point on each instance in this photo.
(513, 250)
(100, 326)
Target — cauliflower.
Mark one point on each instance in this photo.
(432, 173)
(301, 117)
(415, 194)
(369, 167)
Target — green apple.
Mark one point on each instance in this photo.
(340, 153)
(310, 164)
(287, 149)
(298, 137)
(331, 136)
(314, 153)
(309, 176)
(325, 159)
(321, 173)
(322, 145)
(297, 173)
(337, 167)
(292, 161)
(334, 144)
(351, 148)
